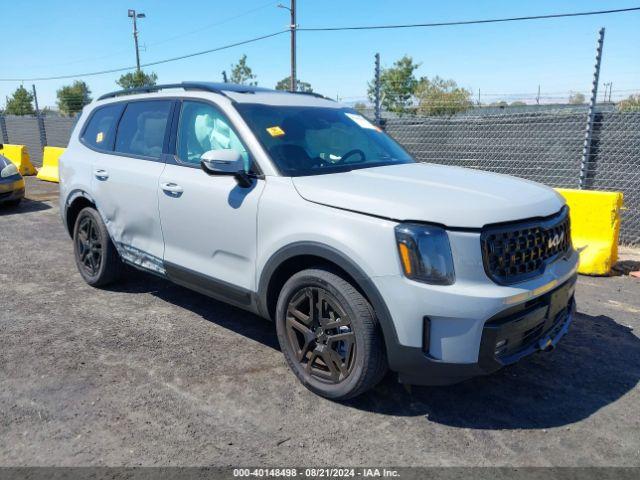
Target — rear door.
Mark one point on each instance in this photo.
(209, 222)
(125, 180)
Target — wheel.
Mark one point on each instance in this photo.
(329, 335)
(96, 256)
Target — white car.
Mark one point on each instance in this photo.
(299, 209)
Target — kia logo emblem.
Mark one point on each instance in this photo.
(556, 240)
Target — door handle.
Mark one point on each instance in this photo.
(171, 187)
(101, 174)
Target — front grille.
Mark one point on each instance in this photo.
(518, 251)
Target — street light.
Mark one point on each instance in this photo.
(292, 27)
(132, 14)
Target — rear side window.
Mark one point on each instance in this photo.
(142, 128)
(101, 129)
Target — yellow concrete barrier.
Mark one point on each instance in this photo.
(49, 170)
(19, 155)
(595, 226)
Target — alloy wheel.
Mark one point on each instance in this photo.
(321, 335)
(89, 246)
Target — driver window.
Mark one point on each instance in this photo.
(203, 128)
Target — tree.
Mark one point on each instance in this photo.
(71, 98)
(137, 79)
(576, 98)
(397, 86)
(518, 103)
(241, 73)
(20, 103)
(438, 96)
(360, 106)
(630, 104)
(301, 86)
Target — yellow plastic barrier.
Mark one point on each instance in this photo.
(595, 226)
(19, 155)
(49, 170)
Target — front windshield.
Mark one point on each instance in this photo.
(317, 140)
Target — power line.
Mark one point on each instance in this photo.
(317, 29)
(149, 64)
(210, 25)
(468, 22)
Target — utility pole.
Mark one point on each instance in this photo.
(478, 97)
(133, 15)
(588, 134)
(610, 88)
(292, 27)
(538, 96)
(224, 76)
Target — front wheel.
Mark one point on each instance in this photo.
(96, 256)
(329, 335)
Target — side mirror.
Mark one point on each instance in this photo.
(225, 162)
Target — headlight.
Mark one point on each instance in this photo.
(425, 253)
(9, 171)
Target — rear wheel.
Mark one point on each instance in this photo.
(329, 335)
(96, 256)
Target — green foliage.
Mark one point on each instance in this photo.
(300, 85)
(577, 98)
(360, 107)
(518, 103)
(438, 96)
(71, 98)
(137, 79)
(631, 104)
(241, 73)
(20, 103)
(397, 86)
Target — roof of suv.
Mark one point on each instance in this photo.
(236, 93)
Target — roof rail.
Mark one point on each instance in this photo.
(204, 86)
(313, 94)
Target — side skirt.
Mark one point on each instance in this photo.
(212, 287)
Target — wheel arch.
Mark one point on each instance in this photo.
(76, 201)
(302, 255)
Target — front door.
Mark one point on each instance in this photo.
(208, 222)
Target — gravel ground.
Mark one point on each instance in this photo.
(148, 373)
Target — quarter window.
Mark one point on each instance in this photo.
(202, 128)
(142, 128)
(101, 129)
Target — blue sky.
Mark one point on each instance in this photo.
(55, 37)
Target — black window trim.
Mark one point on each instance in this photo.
(172, 153)
(167, 130)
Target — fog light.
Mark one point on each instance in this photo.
(501, 346)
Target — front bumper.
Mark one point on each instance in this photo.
(519, 331)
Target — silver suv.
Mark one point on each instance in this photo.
(299, 209)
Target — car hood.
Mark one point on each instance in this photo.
(451, 196)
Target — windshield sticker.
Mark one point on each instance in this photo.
(362, 122)
(99, 137)
(275, 131)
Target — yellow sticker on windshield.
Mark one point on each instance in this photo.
(275, 131)
(99, 137)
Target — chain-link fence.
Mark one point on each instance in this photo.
(36, 132)
(544, 146)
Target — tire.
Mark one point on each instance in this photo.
(344, 331)
(96, 256)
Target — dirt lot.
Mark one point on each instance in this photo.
(149, 373)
